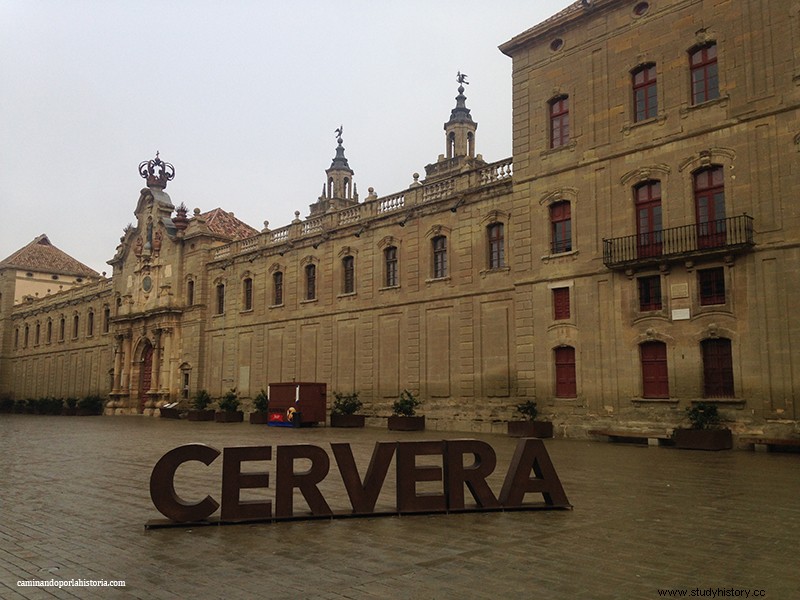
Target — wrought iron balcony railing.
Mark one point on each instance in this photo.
(723, 236)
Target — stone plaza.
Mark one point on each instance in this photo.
(75, 499)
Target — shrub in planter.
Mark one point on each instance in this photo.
(90, 405)
(705, 432)
(31, 406)
(404, 416)
(71, 407)
(261, 405)
(20, 406)
(228, 408)
(6, 404)
(530, 427)
(50, 406)
(201, 412)
(344, 409)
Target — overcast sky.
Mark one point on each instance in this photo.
(242, 97)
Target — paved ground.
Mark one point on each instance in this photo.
(74, 499)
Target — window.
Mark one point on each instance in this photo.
(90, 324)
(648, 219)
(220, 298)
(559, 121)
(439, 256)
(348, 275)
(247, 294)
(62, 326)
(655, 380)
(717, 368)
(496, 237)
(709, 198)
(106, 319)
(390, 266)
(705, 76)
(16, 338)
(561, 227)
(711, 283)
(190, 292)
(277, 288)
(645, 93)
(649, 293)
(311, 282)
(565, 372)
(49, 334)
(76, 321)
(561, 303)
(37, 335)
(27, 333)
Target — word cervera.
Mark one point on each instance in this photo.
(529, 456)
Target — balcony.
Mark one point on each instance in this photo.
(713, 238)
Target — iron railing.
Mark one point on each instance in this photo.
(712, 237)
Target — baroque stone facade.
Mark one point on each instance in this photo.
(641, 258)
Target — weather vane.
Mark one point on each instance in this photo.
(462, 78)
(338, 133)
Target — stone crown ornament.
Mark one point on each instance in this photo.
(156, 172)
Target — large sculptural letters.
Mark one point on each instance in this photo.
(530, 472)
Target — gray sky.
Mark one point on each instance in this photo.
(241, 96)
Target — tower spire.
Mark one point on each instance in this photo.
(460, 129)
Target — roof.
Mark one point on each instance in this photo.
(40, 255)
(226, 225)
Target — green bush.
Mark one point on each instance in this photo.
(346, 404)
(230, 401)
(528, 410)
(91, 404)
(50, 406)
(6, 403)
(406, 405)
(703, 415)
(202, 400)
(261, 402)
(71, 402)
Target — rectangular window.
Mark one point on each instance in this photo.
(220, 299)
(709, 199)
(90, 324)
(439, 257)
(717, 368)
(559, 122)
(561, 224)
(705, 75)
(247, 294)
(561, 303)
(349, 275)
(190, 292)
(650, 293)
(655, 376)
(311, 282)
(277, 288)
(711, 283)
(49, 331)
(390, 260)
(76, 322)
(645, 93)
(62, 326)
(496, 237)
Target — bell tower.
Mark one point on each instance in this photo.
(460, 129)
(339, 190)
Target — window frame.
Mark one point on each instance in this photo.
(560, 214)
(439, 255)
(566, 380)
(649, 293)
(704, 70)
(310, 273)
(247, 294)
(277, 288)
(391, 267)
(562, 310)
(558, 117)
(220, 299)
(717, 358)
(711, 286)
(655, 369)
(496, 242)
(349, 274)
(647, 90)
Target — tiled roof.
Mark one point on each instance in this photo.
(226, 225)
(40, 255)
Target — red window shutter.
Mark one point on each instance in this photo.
(561, 309)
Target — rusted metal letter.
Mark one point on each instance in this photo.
(474, 475)
(408, 474)
(305, 481)
(234, 480)
(363, 496)
(162, 484)
(532, 455)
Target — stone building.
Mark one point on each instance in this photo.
(642, 257)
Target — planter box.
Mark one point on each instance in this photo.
(703, 439)
(200, 415)
(259, 418)
(225, 416)
(170, 413)
(537, 429)
(69, 412)
(399, 423)
(347, 420)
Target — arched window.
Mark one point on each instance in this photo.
(220, 298)
(49, 335)
(62, 326)
(495, 235)
(559, 121)
(390, 266)
(37, 335)
(717, 368)
(645, 93)
(76, 321)
(709, 201)
(649, 241)
(348, 275)
(704, 73)
(277, 288)
(311, 282)
(190, 292)
(655, 377)
(439, 244)
(90, 323)
(566, 381)
(561, 227)
(451, 144)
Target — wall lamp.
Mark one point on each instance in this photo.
(459, 203)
